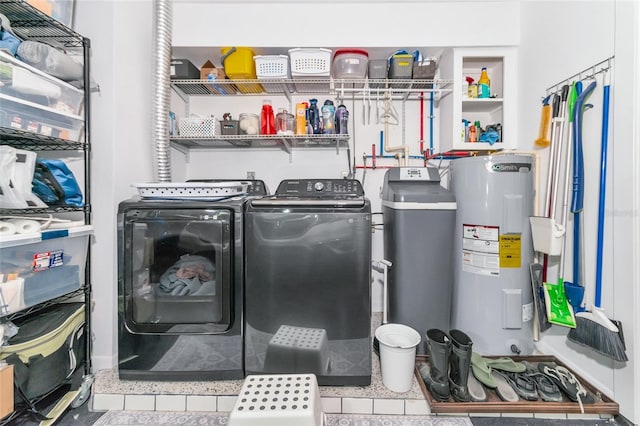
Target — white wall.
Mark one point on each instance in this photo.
(553, 48)
(121, 35)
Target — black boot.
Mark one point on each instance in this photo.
(438, 349)
(459, 363)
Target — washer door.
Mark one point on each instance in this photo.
(176, 270)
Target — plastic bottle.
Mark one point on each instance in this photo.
(472, 134)
(267, 119)
(342, 120)
(328, 117)
(301, 120)
(484, 84)
(472, 89)
(314, 117)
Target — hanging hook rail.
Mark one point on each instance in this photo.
(589, 72)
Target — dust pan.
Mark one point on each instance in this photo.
(547, 234)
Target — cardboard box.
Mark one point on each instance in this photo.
(6, 390)
(210, 72)
(209, 68)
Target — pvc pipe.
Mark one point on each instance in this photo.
(400, 148)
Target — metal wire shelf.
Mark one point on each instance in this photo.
(263, 141)
(31, 24)
(357, 88)
(34, 141)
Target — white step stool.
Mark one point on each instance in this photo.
(278, 400)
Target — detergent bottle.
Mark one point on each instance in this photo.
(342, 120)
(484, 84)
(314, 117)
(267, 119)
(328, 117)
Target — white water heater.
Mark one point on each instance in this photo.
(492, 299)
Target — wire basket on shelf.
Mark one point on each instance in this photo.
(196, 126)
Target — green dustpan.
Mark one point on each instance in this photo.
(559, 310)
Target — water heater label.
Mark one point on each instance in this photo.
(481, 249)
(510, 251)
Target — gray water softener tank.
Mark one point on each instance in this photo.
(492, 297)
(419, 219)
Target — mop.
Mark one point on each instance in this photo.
(558, 309)
(593, 328)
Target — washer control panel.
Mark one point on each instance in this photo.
(320, 188)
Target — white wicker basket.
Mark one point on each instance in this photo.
(196, 126)
(311, 63)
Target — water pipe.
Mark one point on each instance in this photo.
(400, 148)
(421, 123)
(383, 265)
(431, 124)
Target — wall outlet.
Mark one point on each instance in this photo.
(251, 175)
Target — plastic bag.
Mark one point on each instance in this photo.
(55, 184)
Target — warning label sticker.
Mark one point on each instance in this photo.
(510, 251)
(481, 249)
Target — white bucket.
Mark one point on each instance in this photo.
(397, 355)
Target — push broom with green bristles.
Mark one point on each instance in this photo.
(593, 328)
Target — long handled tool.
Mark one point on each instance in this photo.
(593, 328)
(575, 290)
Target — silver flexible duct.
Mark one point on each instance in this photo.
(163, 20)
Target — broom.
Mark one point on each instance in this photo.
(593, 328)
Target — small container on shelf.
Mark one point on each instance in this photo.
(401, 66)
(196, 126)
(350, 64)
(378, 69)
(273, 67)
(239, 65)
(29, 84)
(45, 265)
(30, 117)
(311, 63)
(249, 124)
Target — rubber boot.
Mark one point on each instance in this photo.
(438, 349)
(459, 363)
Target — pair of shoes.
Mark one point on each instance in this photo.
(482, 371)
(547, 390)
(503, 388)
(476, 390)
(567, 382)
(524, 385)
(506, 364)
(449, 362)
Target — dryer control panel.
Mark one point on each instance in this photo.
(320, 188)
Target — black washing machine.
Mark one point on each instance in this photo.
(308, 281)
(180, 281)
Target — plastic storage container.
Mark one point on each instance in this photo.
(350, 63)
(238, 64)
(311, 63)
(29, 84)
(42, 265)
(401, 66)
(378, 71)
(273, 67)
(197, 126)
(31, 117)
